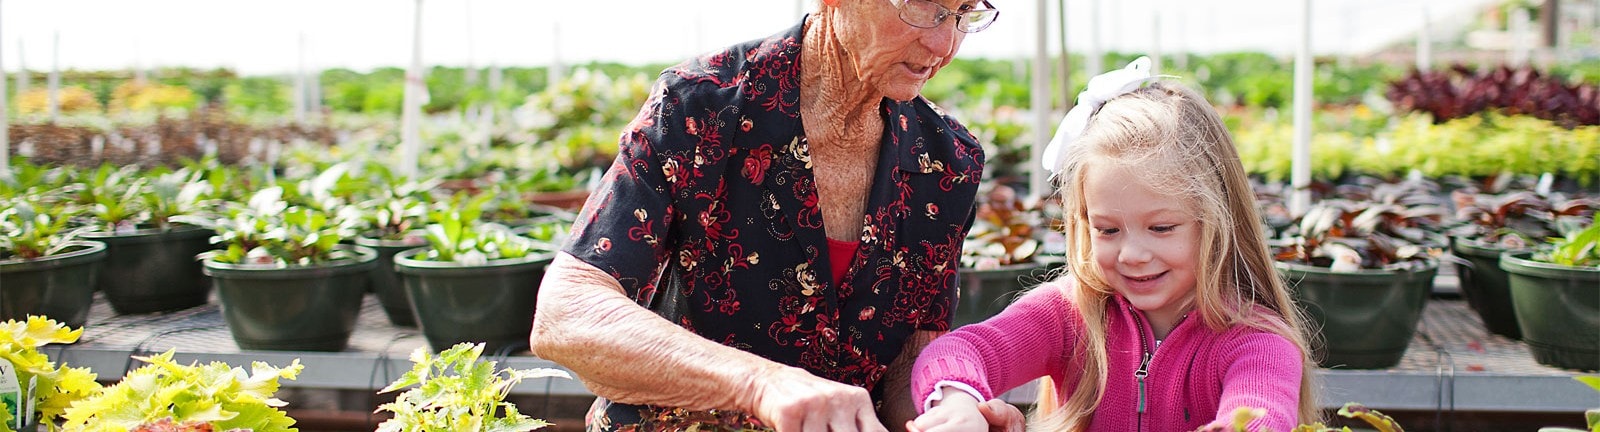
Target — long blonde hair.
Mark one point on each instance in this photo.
(1174, 135)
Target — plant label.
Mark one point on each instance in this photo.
(11, 393)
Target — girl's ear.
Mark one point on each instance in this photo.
(831, 3)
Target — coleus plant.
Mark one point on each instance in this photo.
(1517, 220)
(1003, 232)
(1345, 235)
(54, 388)
(1458, 92)
(456, 391)
(167, 395)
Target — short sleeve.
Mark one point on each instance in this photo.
(623, 227)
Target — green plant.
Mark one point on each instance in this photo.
(53, 388)
(1591, 417)
(175, 193)
(163, 391)
(397, 208)
(32, 229)
(1576, 248)
(29, 178)
(454, 391)
(454, 237)
(1242, 417)
(268, 231)
(124, 199)
(111, 196)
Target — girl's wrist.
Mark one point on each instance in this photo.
(956, 397)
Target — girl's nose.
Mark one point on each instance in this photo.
(1134, 252)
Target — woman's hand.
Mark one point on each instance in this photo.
(792, 400)
(1002, 416)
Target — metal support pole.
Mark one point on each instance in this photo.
(1425, 42)
(5, 121)
(411, 114)
(54, 82)
(1303, 67)
(1040, 99)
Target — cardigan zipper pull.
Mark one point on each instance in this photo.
(1144, 370)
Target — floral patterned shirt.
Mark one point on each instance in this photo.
(713, 187)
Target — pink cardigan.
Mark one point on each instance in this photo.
(1196, 377)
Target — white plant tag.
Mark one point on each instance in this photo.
(11, 393)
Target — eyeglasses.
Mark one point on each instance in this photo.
(927, 14)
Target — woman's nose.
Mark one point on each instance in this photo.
(943, 39)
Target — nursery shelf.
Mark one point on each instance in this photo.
(378, 352)
(1451, 365)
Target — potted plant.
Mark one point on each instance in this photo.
(45, 390)
(150, 264)
(284, 279)
(1591, 416)
(394, 221)
(454, 391)
(164, 395)
(475, 282)
(1362, 277)
(997, 256)
(46, 270)
(1555, 293)
(1380, 422)
(1492, 224)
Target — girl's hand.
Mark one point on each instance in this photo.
(957, 411)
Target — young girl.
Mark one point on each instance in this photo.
(1171, 315)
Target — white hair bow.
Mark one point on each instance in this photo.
(1101, 88)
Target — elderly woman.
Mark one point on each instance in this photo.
(778, 237)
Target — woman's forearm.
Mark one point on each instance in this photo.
(628, 354)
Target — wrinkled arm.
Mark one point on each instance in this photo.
(622, 351)
(897, 404)
(628, 354)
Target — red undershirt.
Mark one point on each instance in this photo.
(840, 253)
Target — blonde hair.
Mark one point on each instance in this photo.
(1174, 135)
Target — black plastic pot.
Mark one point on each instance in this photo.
(490, 303)
(386, 283)
(1367, 317)
(59, 286)
(1558, 308)
(311, 308)
(154, 270)
(1485, 286)
(985, 293)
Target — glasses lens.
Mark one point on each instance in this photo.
(921, 13)
(976, 21)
